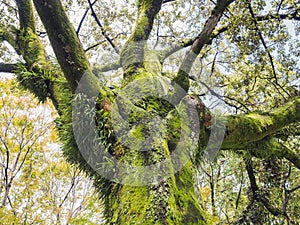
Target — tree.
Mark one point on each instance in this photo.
(142, 138)
(36, 184)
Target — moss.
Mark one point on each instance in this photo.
(31, 49)
(128, 209)
(66, 45)
(36, 82)
(246, 128)
(26, 14)
(182, 79)
(142, 23)
(172, 201)
(184, 203)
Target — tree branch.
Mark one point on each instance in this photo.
(8, 68)
(187, 43)
(28, 43)
(132, 54)
(26, 14)
(260, 35)
(248, 128)
(289, 16)
(182, 77)
(270, 146)
(256, 193)
(83, 18)
(65, 43)
(166, 1)
(282, 151)
(110, 41)
(9, 34)
(106, 68)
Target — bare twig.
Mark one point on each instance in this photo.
(102, 28)
(83, 18)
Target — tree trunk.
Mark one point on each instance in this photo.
(170, 202)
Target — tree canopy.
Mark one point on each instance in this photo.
(172, 107)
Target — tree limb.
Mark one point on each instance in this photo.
(83, 18)
(289, 16)
(65, 43)
(26, 14)
(9, 34)
(248, 128)
(182, 77)
(106, 68)
(28, 43)
(270, 146)
(256, 192)
(110, 41)
(282, 151)
(187, 43)
(132, 54)
(166, 1)
(8, 68)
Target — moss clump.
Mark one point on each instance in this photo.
(36, 81)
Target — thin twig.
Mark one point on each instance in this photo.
(102, 28)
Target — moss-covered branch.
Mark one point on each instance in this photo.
(26, 14)
(182, 77)
(112, 66)
(63, 38)
(132, 55)
(247, 128)
(270, 146)
(37, 74)
(9, 34)
(28, 43)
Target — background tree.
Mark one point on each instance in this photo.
(37, 185)
(247, 49)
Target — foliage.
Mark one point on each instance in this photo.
(37, 185)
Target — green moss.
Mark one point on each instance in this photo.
(182, 80)
(36, 81)
(31, 48)
(172, 201)
(131, 206)
(142, 23)
(64, 41)
(247, 128)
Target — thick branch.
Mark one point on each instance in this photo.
(106, 68)
(132, 55)
(26, 14)
(28, 42)
(64, 41)
(182, 77)
(270, 146)
(9, 34)
(247, 128)
(8, 68)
